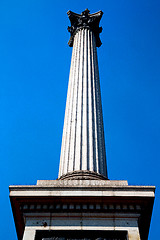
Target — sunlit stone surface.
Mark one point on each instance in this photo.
(83, 145)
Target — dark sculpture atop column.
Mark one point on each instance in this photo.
(85, 20)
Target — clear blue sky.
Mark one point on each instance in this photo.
(34, 71)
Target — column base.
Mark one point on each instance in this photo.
(83, 175)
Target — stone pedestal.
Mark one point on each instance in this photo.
(63, 208)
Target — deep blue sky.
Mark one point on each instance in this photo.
(34, 71)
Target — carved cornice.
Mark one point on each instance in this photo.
(81, 207)
(85, 20)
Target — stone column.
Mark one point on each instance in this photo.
(83, 147)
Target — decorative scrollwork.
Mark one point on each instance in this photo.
(85, 19)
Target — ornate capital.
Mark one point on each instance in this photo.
(85, 19)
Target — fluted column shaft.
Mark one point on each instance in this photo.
(83, 146)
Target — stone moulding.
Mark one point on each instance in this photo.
(83, 175)
(81, 183)
(83, 207)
